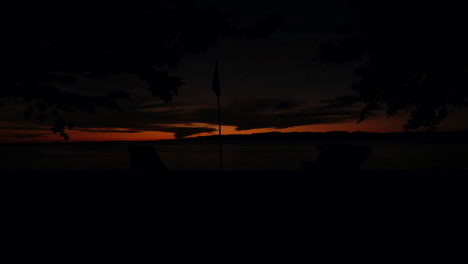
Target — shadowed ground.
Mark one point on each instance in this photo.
(240, 157)
(314, 174)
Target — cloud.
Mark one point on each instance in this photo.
(25, 136)
(265, 104)
(291, 119)
(284, 113)
(242, 114)
(181, 132)
(94, 130)
(24, 128)
(151, 105)
(341, 101)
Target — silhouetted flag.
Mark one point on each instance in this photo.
(215, 86)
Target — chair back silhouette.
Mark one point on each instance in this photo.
(144, 159)
(338, 157)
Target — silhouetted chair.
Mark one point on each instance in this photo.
(338, 158)
(145, 160)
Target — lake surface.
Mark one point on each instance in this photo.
(388, 154)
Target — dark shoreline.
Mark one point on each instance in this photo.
(426, 137)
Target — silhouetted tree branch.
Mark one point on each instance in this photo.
(415, 58)
(59, 41)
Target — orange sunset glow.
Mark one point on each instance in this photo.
(244, 87)
(380, 125)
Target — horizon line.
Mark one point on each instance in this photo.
(233, 135)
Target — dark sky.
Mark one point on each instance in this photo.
(267, 84)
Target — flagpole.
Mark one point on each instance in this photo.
(220, 138)
(217, 90)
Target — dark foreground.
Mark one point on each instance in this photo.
(361, 173)
(252, 189)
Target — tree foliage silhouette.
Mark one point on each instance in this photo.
(60, 41)
(415, 56)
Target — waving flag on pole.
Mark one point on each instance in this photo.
(215, 86)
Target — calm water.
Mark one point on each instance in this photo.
(246, 155)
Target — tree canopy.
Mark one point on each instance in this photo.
(60, 41)
(414, 54)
